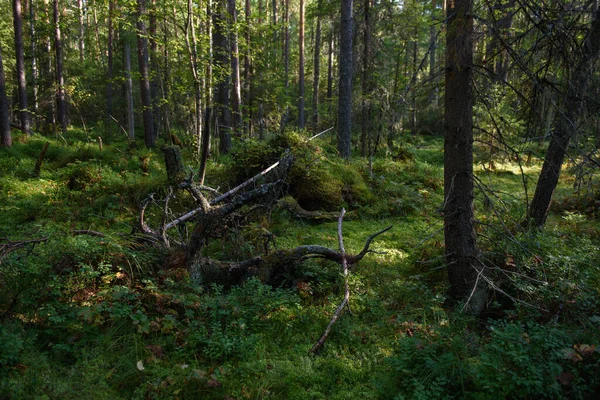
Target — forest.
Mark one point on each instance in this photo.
(294, 199)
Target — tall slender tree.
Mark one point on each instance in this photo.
(573, 109)
(462, 254)
(129, 94)
(301, 68)
(20, 67)
(142, 43)
(81, 38)
(5, 136)
(236, 91)
(109, 72)
(345, 87)
(61, 98)
(316, 71)
(222, 65)
(34, 67)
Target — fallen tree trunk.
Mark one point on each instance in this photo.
(291, 204)
(268, 267)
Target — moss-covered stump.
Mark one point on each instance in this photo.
(174, 165)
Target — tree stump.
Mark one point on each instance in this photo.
(174, 165)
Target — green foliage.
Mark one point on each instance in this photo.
(509, 360)
(113, 317)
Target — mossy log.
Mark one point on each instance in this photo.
(290, 204)
(268, 267)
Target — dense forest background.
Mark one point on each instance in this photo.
(299, 199)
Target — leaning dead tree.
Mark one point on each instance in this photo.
(212, 216)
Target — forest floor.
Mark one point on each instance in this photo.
(112, 316)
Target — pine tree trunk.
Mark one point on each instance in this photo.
(236, 100)
(81, 42)
(221, 61)
(330, 66)
(142, 51)
(20, 66)
(316, 73)
(567, 126)
(432, 48)
(61, 101)
(34, 68)
(301, 69)
(154, 73)
(365, 80)
(5, 136)
(462, 254)
(109, 74)
(345, 86)
(129, 94)
(248, 68)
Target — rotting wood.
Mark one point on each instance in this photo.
(282, 164)
(40, 160)
(290, 204)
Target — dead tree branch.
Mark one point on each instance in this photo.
(346, 298)
(7, 246)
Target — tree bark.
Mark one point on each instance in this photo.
(81, 41)
(109, 74)
(154, 73)
(301, 68)
(248, 68)
(20, 66)
(61, 101)
(129, 94)
(236, 101)
(222, 65)
(567, 126)
(192, 45)
(432, 48)
(345, 86)
(5, 135)
(142, 43)
(34, 67)
(365, 80)
(316, 73)
(330, 66)
(462, 254)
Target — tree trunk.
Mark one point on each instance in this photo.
(248, 69)
(462, 254)
(81, 42)
(221, 61)
(129, 93)
(413, 97)
(34, 68)
(301, 69)
(142, 43)
(345, 86)
(286, 62)
(236, 101)
(154, 73)
(109, 77)
(316, 73)
(20, 66)
(432, 48)
(61, 101)
(330, 66)
(567, 126)
(205, 144)
(5, 136)
(192, 44)
(365, 80)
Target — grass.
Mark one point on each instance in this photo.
(105, 317)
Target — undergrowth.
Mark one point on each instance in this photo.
(114, 316)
